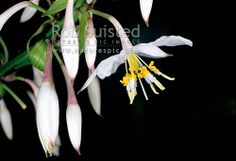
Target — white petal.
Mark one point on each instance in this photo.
(47, 116)
(8, 13)
(146, 7)
(74, 124)
(106, 68)
(94, 93)
(149, 51)
(90, 45)
(5, 120)
(29, 12)
(172, 41)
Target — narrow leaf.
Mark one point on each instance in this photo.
(56, 7)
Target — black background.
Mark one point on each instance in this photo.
(193, 117)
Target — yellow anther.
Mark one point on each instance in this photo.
(125, 80)
(153, 68)
(143, 72)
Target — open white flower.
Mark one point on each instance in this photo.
(146, 7)
(69, 42)
(29, 12)
(5, 120)
(11, 11)
(136, 68)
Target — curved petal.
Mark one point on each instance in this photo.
(149, 51)
(172, 41)
(8, 13)
(106, 68)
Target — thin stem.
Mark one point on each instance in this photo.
(126, 44)
(69, 84)
(5, 50)
(18, 100)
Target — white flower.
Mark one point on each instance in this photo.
(90, 45)
(29, 12)
(69, 42)
(94, 93)
(138, 69)
(47, 116)
(146, 7)
(74, 124)
(8, 13)
(5, 120)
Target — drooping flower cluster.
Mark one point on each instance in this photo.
(70, 43)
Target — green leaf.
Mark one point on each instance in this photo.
(56, 7)
(82, 30)
(20, 59)
(79, 3)
(39, 31)
(37, 55)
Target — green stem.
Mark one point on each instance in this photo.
(18, 100)
(14, 62)
(42, 10)
(5, 50)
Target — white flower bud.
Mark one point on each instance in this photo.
(94, 93)
(47, 116)
(74, 125)
(29, 12)
(69, 42)
(5, 120)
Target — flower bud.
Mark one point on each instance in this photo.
(69, 42)
(74, 125)
(47, 109)
(29, 12)
(5, 120)
(94, 93)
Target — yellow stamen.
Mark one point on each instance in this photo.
(143, 72)
(153, 68)
(166, 77)
(126, 79)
